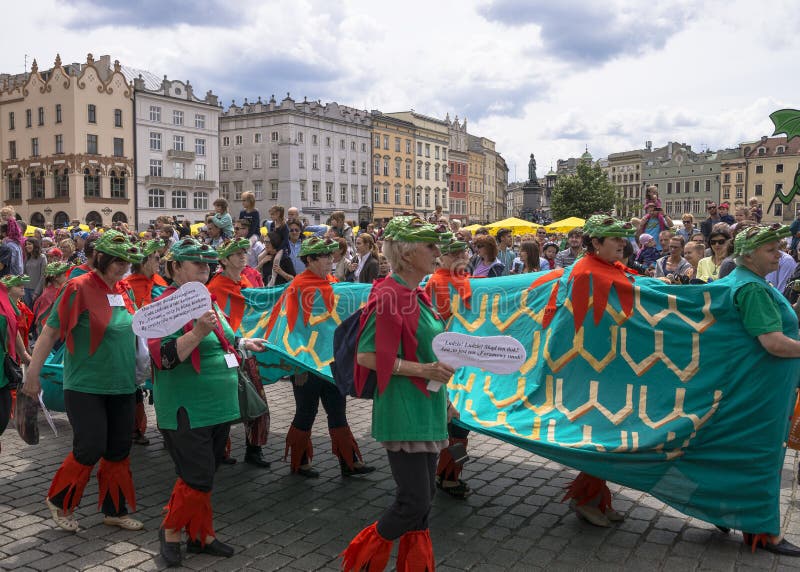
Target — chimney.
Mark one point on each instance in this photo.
(648, 145)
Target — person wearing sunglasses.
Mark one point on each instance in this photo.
(93, 316)
(687, 229)
(294, 245)
(721, 247)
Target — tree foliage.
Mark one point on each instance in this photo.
(587, 192)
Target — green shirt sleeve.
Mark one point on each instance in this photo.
(366, 343)
(758, 310)
(53, 320)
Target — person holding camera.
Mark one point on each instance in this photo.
(654, 222)
(673, 265)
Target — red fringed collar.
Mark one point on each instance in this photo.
(592, 276)
(12, 325)
(142, 287)
(90, 295)
(306, 284)
(228, 292)
(438, 288)
(396, 308)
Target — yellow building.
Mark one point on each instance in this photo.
(624, 170)
(772, 166)
(393, 182)
(66, 141)
(733, 175)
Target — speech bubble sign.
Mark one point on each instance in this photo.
(497, 354)
(166, 316)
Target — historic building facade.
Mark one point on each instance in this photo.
(624, 170)
(733, 173)
(177, 151)
(66, 136)
(476, 193)
(297, 154)
(458, 166)
(430, 161)
(393, 144)
(501, 187)
(773, 167)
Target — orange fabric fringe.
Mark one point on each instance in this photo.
(438, 288)
(586, 489)
(447, 469)
(367, 551)
(113, 478)
(299, 297)
(190, 509)
(299, 443)
(71, 476)
(345, 446)
(416, 552)
(594, 277)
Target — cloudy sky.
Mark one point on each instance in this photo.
(541, 76)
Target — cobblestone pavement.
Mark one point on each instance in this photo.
(276, 521)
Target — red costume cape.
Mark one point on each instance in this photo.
(306, 284)
(12, 321)
(90, 296)
(43, 304)
(254, 276)
(438, 288)
(79, 270)
(25, 321)
(142, 287)
(397, 321)
(227, 291)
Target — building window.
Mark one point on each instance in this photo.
(376, 194)
(117, 118)
(342, 144)
(315, 191)
(678, 187)
(427, 149)
(117, 185)
(397, 195)
(92, 113)
(386, 195)
(256, 160)
(37, 185)
(155, 141)
(363, 147)
(740, 177)
(179, 199)
(119, 147)
(408, 145)
(436, 169)
(444, 154)
(739, 191)
(237, 190)
(328, 164)
(237, 162)
(177, 117)
(759, 190)
(15, 187)
(199, 121)
(759, 169)
(427, 171)
(436, 149)
(258, 188)
(41, 116)
(377, 167)
(273, 160)
(696, 187)
(364, 191)
(419, 170)
(238, 140)
(726, 192)
(200, 147)
(342, 168)
(273, 136)
(779, 168)
(11, 121)
(363, 167)
(224, 192)
(91, 144)
(708, 185)
(91, 183)
(61, 179)
(299, 136)
(778, 188)
(778, 209)
(200, 201)
(313, 139)
(256, 138)
(377, 141)
(12, 149)
(200, 172)
(396, 144)
(178, 169)
(726, 178)
(226, 141)
(155, 199)
(177, 142)
(352, 167)
(155, 113)
(225, 164)
(354, 193)
(301, 160)
(155, 167)
(386, 167)
(303, 196)
(397, 167)
(408, 170)
(343, 193)
(329, 192)
(35, 146)
(315, 162)
(419, 148)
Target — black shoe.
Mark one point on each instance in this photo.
(253, 457)
(228, 461)
(362, 470)
(170, 551)
(141, 440)
(723, 529)
(214, 548)
(308, 473)
(784, 547)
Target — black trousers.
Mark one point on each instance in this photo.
(196, 452)
(415, 475)
(101, 428)
(5, 407)
(307, 398)
(456, 432)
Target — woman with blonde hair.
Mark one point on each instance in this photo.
(250, 213)
(364, 268)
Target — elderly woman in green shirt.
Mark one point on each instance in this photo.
(410, 409)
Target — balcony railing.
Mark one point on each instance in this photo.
(151, 181)
(183, 155)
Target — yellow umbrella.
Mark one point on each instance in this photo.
(31, 230)
(473, 227)
(196, 227)
(517, 226)
(566, 224)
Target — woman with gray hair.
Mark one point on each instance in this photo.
(410, 408)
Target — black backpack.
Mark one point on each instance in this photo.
(345, 348)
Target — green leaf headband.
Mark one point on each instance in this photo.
(15, 280)
(414, 229)
(56, 268)
(117, 244)
(148, 247)
(604, 226)
(230, 246)
(452, 247)
(191, 250)
(755, 236)
(316, 245)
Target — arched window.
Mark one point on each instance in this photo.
(118, 185)
(155, 199)
(200, 201)
(119, 217)
(15, 187)
(61, 180)
(37, 219)
(60, 219)
(37, 185)
(91, 183)
(178, 199)
(436, 168)
(94, 216)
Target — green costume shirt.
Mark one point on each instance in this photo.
(4, 347)
(402, 412)
(111, 370)
(210, 397)
(758, 311)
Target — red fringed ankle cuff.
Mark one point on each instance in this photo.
(367, 551)
(190, 509)
(114, 477)
(73, 477)
(299, 443)
(344, 445)
(588, 489)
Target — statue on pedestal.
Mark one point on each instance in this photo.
(532, 170)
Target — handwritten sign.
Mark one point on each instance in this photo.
(165, 316)
(497, 354)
